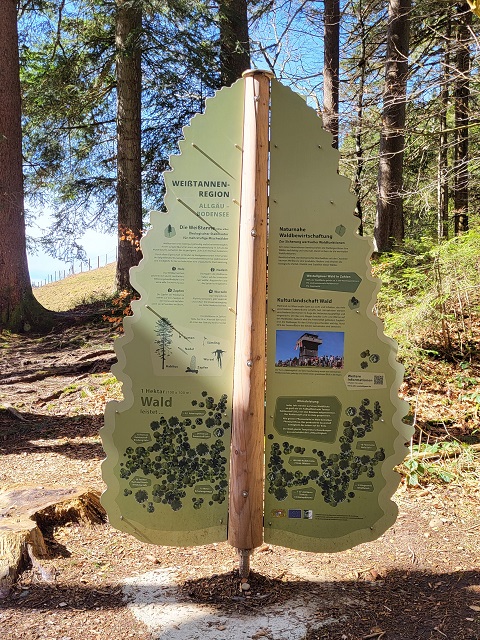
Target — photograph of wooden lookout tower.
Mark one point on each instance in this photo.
(310, 349)
(308, 345)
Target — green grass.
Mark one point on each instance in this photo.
(81, 288)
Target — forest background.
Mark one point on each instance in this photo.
(94, 97)
(107, 85)
(96, 93)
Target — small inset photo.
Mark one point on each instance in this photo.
(321, 349)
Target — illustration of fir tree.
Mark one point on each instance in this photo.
(164, 331)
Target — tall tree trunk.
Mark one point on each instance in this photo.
(331, 68)
(129, 168)
(442, 180)
(462, 94)
(389, 226)
(234, 40)
(359, 165)
(19, 310)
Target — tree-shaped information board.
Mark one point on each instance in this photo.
(334, 429)
(192, 360)
(168, 441)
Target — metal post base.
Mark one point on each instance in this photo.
(244, 562)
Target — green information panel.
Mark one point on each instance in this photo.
(168, 441)
(334, 428)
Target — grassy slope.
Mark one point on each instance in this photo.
(78, 289)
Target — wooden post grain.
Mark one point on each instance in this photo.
(245, 527)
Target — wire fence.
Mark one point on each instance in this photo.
(83, 266)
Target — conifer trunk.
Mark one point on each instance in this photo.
(19, 310)
(129, 168)
(462, 94)
(389, 225)
(234, 40)
(359, 158)
(443, 142)
(331, 68)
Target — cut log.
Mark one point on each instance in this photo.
(26, 513)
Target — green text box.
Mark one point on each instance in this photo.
(309, 417)
(331, 281)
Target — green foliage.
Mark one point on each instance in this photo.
(69, 101)
(443, 461)
(419, 469)
(429, 297)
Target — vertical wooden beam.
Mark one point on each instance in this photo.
(245, 526)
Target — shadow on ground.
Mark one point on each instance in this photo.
(401, 606)
(19, 437)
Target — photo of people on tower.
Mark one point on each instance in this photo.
(324, 349)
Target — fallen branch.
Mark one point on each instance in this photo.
(16, 414)
(442, 454)
(95, 354)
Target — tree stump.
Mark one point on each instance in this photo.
(26, 512)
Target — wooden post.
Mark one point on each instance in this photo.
(245, 525)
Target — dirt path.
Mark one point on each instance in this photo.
(420, 580)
